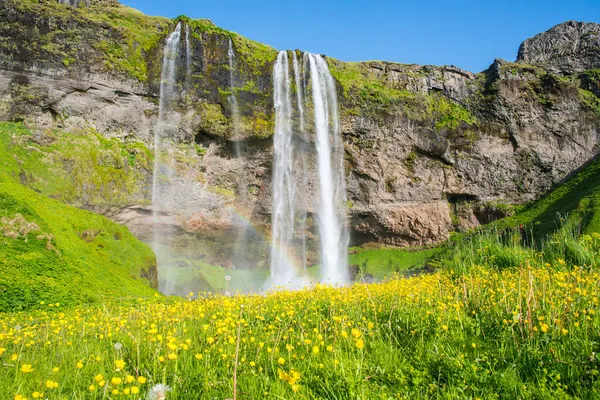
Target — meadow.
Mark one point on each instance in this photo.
(528, 330)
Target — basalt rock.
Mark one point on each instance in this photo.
(566, 48)
(428, 149)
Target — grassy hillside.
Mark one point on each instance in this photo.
(54, 253)
(576, 201)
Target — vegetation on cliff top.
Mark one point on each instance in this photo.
(367, 90)
(53, 253)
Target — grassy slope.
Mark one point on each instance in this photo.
(576, 201)
(384, 261)
(83, 257)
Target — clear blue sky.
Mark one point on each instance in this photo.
(465, 33)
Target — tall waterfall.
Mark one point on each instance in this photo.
(330, 162)
(290, 175)
(303, 182)
(163, 195)
(282, 223)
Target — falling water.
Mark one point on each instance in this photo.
(163, 171)
(304, 179)
(241, 256)
(235, 113)
(188, 58)
(332, 192)
(283, 214)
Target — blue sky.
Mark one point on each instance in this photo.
(465, 33)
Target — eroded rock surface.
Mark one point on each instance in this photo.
(428, 148)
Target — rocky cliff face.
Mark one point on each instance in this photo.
(429, 149)
(566, 48)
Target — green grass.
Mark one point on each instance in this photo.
(70, 255)
(385, 261)
(577, 200)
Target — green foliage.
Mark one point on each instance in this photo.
(83, 169)
(448, 114)
(366, 91)
(72, 256)
(590, 100)
(88, 259)
(576, 201)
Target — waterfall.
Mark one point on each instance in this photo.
(188, 58)
(332, 191)
(283, 213)
(303, 150)
(162, 198)
(241, 258)
(235, 113)
(291, 178)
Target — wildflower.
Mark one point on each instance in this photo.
(129, 379)
(315, 349)
(172, 356)
(79, 365)
(360, 344)
(473, 345)
(445, 327)
(158, 392)
(118, 346)
(26, 368)
(51, 384)
(135, 390)
(141, 380)
(98, 377)
(295, 388)
(356, 333)
(281, 360)
(91, 388)
(198, 356)
(116, 381)
(119, 364)
(19, 397)
(37, 395)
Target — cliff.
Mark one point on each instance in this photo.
(429, 149)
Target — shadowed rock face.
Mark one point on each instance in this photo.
(427, 149)
(566, 48)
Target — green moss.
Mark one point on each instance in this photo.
(222, 191)
(448, 114)
(590, 100)
(367, 93)
(212, 119)
(82, 169)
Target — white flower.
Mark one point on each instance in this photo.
(227, 278)
(158, 392)
(118, 346)
(227, 294)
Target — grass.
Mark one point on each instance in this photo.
(385, 261)
(79, 168)
(530, 331)
(576, 200)
(54, 253)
